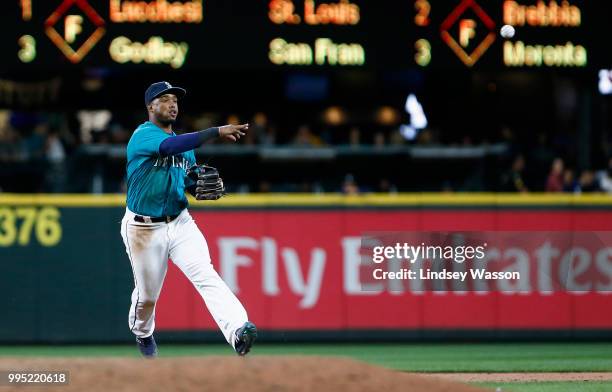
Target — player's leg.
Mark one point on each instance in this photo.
(189, 251)
(147, 249)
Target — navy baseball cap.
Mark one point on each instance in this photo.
(161, 88)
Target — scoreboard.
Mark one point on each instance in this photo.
(311, 34)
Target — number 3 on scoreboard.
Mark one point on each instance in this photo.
(423, 52)
(422, 8)
(27, 53)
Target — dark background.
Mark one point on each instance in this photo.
(537, 113)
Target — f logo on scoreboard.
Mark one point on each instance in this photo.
(467, 28)
(73, 27)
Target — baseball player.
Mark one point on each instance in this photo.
(161, 167)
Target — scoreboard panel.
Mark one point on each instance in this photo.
(241, 34)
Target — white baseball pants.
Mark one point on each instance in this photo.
(149, 246)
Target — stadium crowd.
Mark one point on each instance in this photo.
(45, 143)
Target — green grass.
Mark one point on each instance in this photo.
(510, 357)
(589, 386)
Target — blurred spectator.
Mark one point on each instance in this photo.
(349, 185)
(35, 143)
(509, 138)
(354, 137)
(385, 186)
(396, 138)
(539, 159)
(264, 187)
(92, 123)
(507, 135)
(447, 187)
(513, 181)
(554, 183)
(605, 178)
(269, 138)
(261, 131)
(305, 138)
(305, 187)
(54, 149)
(379, 140)
(118, 134)
(10, 150)
(58, 124)
(569, 182)
(56, 156)
(587, 182)
(258, 127)
(334, 120)
(425, 137)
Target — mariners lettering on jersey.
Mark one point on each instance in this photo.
(172, 161)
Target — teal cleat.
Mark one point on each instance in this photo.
(245, 336)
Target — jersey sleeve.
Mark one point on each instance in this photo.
(147, 142)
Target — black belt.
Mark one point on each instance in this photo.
(148, 219)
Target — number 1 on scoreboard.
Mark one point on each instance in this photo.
(26, 9)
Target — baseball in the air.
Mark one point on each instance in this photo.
(507, 31)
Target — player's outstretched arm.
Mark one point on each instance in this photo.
(188, 141)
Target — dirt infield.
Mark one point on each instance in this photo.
(255, 374)
(521, 377)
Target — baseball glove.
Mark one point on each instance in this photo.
(207, 183)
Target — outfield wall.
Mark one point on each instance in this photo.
(292, 260)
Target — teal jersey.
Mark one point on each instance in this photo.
(155, 184)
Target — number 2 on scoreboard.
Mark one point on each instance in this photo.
(423, 9)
